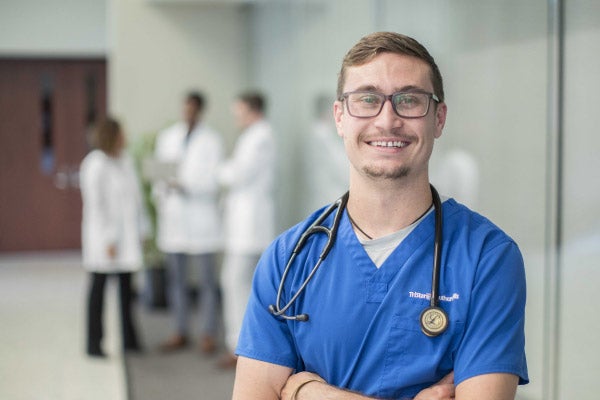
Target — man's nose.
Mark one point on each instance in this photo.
(388, 118)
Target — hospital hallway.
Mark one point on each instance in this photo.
(42, 341)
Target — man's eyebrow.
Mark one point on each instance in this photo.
(410, 88)
(407, 88)
(367, 88)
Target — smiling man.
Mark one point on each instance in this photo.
(370, 322)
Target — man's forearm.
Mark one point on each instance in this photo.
(256, 379)
(489, 387)
(309, 386)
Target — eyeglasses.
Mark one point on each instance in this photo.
(364, 104)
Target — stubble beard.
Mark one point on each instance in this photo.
(381, 173)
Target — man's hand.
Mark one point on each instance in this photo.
(443, 390)
(111, 251)
(174, 185)
(295, 381)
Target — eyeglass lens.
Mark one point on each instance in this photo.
(369, 104)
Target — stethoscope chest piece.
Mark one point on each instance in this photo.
(434, 321)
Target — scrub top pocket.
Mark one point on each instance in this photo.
(414, 357)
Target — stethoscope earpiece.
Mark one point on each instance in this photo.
(302, 317)
(299, 317)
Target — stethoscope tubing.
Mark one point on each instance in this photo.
(339, 205)
(430, 316)
(437, 248)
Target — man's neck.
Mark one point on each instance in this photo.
(191, 125)
(384, 207)
(252, 120)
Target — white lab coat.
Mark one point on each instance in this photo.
(189, 221)
(113, 213)
(456, 174)
(326, 166)
(249, 178)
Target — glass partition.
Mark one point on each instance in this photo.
(578, 363)
(497, 62)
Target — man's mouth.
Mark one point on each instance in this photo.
(391, 143)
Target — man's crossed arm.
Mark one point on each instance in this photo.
(260, 380)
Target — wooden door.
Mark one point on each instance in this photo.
(46, 110)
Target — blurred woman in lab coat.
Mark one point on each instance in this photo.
(114, 224)
(248, 176)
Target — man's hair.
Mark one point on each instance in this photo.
(198, 99)
(106, 134)
(389, 42)
(255, 101)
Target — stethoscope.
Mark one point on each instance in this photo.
(433, 319)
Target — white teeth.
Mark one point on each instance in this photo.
(388, 144)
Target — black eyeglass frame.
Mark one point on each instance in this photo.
(432, 96)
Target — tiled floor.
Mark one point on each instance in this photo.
(42, 303)
(42, 321)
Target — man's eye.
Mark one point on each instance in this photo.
(370, 99)
(407, 101)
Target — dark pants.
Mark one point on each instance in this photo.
(95, 311)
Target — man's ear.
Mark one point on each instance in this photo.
(338, 112)
(440, 118)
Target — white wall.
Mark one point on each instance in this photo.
(56, 28)
(159, 51)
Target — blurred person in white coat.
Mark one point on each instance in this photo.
(325, 161)
(249, 211)
(114, 224)
(189, 225)
(455, 172)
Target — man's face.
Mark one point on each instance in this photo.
(366, 139)
(190, 112)
(242, 114)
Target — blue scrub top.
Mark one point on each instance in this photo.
(364, 332)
